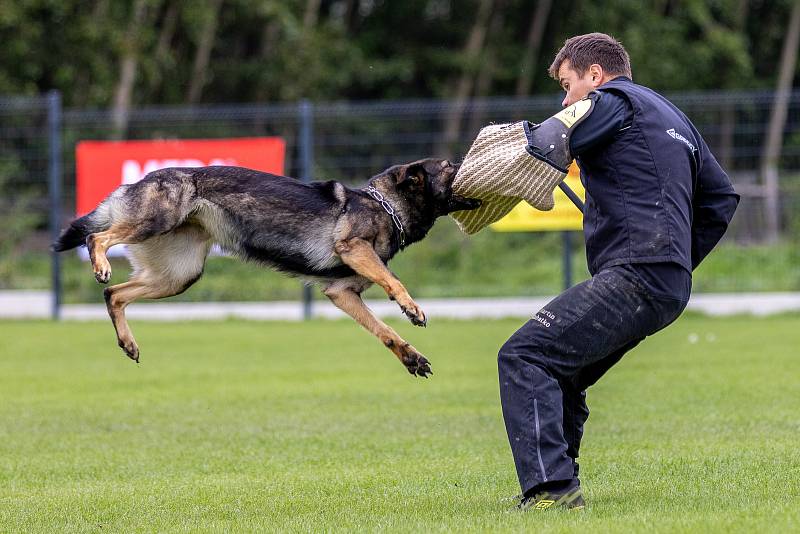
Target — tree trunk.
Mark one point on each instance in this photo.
(168, 25)
(81, 92)
(167, 29)
(201, 58)
(100, 10)
(471, 53)
(350, 15)
(532, 47)
(269, 39)
(311, 14)
(728, 112)
(777, 122)
(127, 76)
(485, 75)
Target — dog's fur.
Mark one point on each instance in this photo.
(336, 236)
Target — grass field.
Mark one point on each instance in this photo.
(246, 426)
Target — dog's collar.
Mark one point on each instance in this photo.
(377, 195)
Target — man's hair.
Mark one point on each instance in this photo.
(583, 51)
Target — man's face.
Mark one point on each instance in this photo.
(574, 85)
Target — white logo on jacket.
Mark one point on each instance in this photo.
(675, 135)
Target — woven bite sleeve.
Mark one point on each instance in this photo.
(500, 172)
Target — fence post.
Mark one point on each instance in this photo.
(54, 189)
(306, 149)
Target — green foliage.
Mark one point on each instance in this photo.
(265, 51)
(749, 268)
(791, 194)
(17, 221)
(315, 427)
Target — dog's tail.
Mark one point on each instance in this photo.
(76, 233)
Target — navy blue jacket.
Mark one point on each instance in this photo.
(654, 191)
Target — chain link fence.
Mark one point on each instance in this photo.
(351, 142)
(30, 195)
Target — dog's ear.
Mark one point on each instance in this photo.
(411, 175)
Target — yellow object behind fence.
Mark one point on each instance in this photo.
(564, 216)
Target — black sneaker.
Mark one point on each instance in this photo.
(572, 499)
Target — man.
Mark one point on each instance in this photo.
(657, 202)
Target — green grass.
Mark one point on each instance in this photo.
(245, 426)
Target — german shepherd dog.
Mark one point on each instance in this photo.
(324, 232)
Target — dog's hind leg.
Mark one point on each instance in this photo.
(349, 301)
(362, 258)
(117, 298)
(164, 266)
(135, 213)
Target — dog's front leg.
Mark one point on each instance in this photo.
(362, 258)
(350, 302)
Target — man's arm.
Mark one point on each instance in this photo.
(713, 206)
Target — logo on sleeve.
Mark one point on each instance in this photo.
(675, 135)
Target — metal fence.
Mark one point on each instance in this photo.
(30, 186)
(352, 141)
(344, 141)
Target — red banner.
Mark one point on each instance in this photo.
(102, 166)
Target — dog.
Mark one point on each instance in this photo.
(324, 232)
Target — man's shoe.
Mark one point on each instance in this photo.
(572, 499)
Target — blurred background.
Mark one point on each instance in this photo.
(354, 86)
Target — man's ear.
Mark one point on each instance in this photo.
(411, 175)
(597, 75)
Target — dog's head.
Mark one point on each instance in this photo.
(431, 181)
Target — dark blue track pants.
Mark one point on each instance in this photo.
(546, 366)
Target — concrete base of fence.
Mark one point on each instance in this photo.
(36, 305)
(25, 304)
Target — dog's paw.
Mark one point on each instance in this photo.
(130, 348)
(103, 274)
(416, 363)
(415, 314)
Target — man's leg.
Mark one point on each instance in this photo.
(580, 327)
(575, 410)
(531, 399)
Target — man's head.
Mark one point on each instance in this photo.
(586, 62)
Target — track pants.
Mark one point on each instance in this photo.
(546, 366)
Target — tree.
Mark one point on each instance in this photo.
(205, 43)
(466, 80)
(128, 66)
(777, 121)
(527, 67)
(136, 52)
